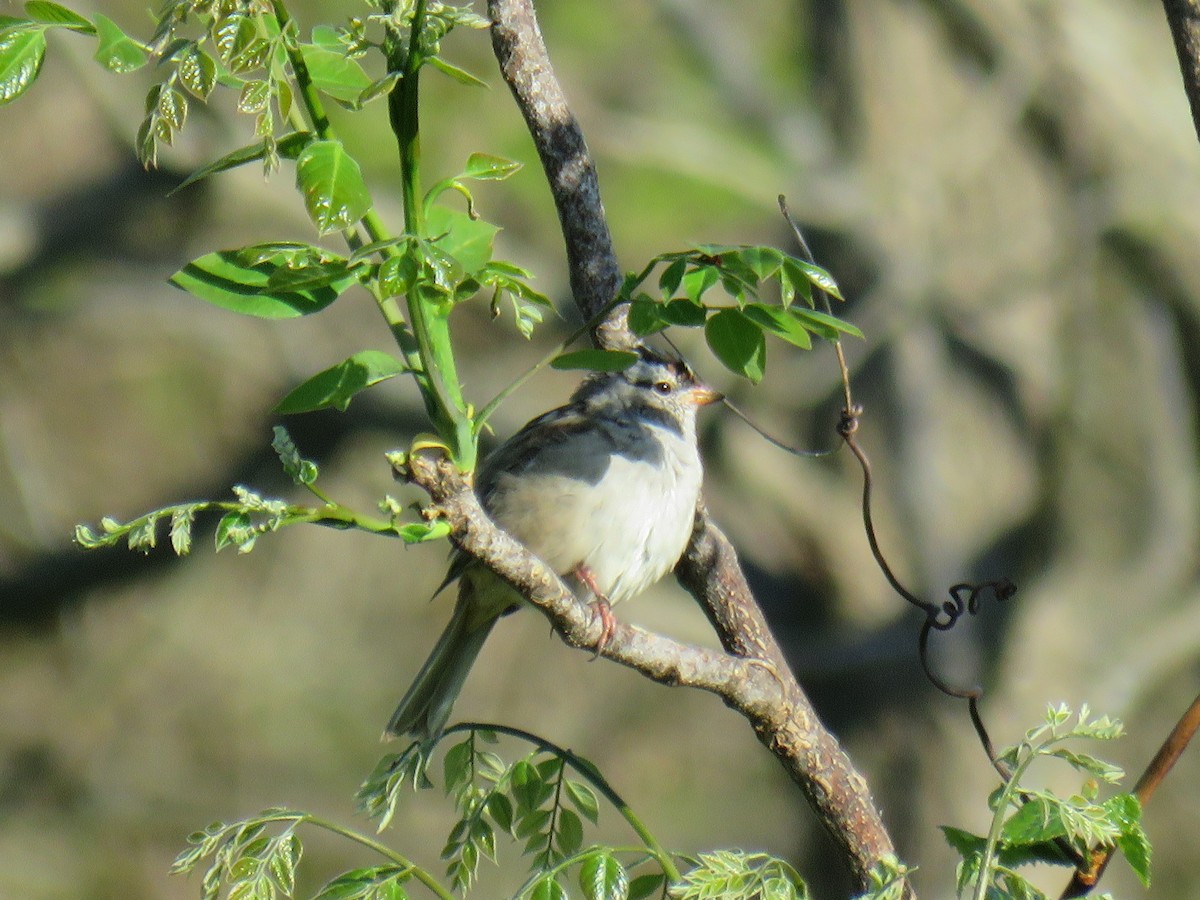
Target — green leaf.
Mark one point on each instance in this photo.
(569, 836)
(584, 799)
(380, 87)
(420, 532)
(182, 518)
(462, 76)
(646, 885)
(646, 316)
(456, 767)
(332, 184)
(335, 74)
(172, 107)
(116, 51)
(799, 270)
(964, 842)
(197, 72)
(1085, 762)
(375, 883)
(484, 167)
(827, 326)
(500, 808)
(240, 43)
(699, 280)
(595, 360)
(526, 785)
(53, 14)
(254, 97)
(467, 240)
(337, 385)
(738, 343)
(1135, 847)
(779, 322)
(224, 279)
(22, 51)
(546, 888)
(762, 261)
(684, 312)
(398, 273)
(668, 281)
(602, 877)
(1035, 822)
(288, 147)
(235, 529)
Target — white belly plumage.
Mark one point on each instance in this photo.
(635, 535)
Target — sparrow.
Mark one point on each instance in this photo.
(603, 490)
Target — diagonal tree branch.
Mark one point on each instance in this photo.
(763, 688)
(524, 63)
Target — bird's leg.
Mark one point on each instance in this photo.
(608, 622)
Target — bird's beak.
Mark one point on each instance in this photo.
(703, 396)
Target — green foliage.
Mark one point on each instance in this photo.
(249, 515)
(1036, 826)
(734, 875)
(736, 333)
(337, 385)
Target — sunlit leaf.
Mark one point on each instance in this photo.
(197, 72)
(332, 184)
(484, 167)
(467, 240)
(116, 51)
(335, 74)
(595, 360)
(22, 51)
(602, 877)
(462, 76)
(823, 324)
(226, 280)
(288, 147)
(54, 14)
(337, 385)
(776, 320)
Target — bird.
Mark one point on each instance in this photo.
(602, 489)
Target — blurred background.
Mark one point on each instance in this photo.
(1008, 192)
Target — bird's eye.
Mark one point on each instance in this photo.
(662, 387)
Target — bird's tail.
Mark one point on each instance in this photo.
(426, 706)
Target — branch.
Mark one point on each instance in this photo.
(749, 685)
(592, 262)
(1183, 17)
(753, 676)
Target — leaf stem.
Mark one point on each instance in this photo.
(438, 374)
(382, 849)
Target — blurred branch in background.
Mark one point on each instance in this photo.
(1183, 16)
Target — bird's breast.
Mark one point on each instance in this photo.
(629, 526)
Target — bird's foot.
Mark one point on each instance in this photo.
(608, 622)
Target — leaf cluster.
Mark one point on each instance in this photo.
(251, 861)
(736, 331)
(1033, 826)
(534, 801)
